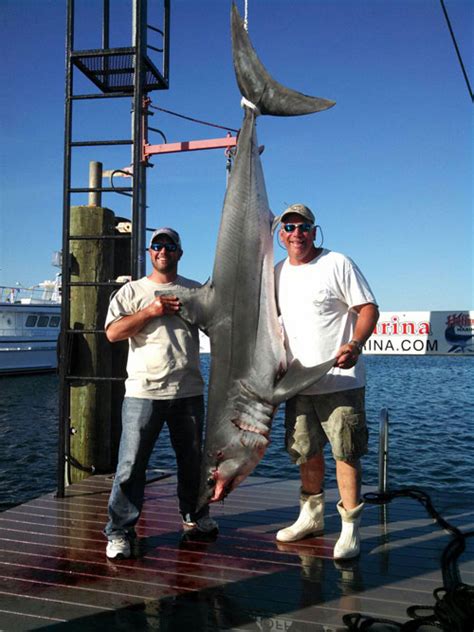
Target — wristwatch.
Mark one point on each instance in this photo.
(358, 345)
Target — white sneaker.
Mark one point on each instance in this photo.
(206, 524)
(118, 548)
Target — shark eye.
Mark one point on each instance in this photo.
(211, 482)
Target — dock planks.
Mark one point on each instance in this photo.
(54, 573)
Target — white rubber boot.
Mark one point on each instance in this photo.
(348, 545)
(309, 522)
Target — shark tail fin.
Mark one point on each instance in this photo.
(257, 86)
(298, 378)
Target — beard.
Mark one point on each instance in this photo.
(164, 266)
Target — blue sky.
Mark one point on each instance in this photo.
(388, 170)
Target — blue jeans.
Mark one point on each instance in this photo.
(142, 421)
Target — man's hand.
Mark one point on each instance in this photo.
(163, 305)
(347, 356)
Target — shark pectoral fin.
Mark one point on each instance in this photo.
(298, 378)
(196, 305)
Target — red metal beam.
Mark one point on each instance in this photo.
(189, 145)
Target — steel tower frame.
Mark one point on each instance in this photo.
(126, 72)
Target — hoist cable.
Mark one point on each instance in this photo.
(194, 120)
(457, 50)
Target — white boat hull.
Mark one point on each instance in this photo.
(24, 358)
(28, 338)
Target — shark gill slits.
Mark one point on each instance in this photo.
(253, 440)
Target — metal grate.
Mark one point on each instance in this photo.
(114, 70)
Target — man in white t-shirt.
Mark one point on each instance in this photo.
(327, 310)
(164, 385)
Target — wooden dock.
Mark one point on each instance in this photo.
(54, 573)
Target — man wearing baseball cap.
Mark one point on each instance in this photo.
(164, 385)
(327, 310)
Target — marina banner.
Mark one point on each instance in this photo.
(423, 333)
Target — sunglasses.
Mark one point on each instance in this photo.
(167, 247)
(290, 228)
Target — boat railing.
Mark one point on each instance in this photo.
(46, 292)
(383, 451)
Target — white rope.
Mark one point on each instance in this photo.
(245, 103)
(246, 16)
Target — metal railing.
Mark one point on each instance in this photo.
(383, 451)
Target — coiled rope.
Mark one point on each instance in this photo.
(453, 610)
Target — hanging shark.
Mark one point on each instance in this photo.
(248, 377)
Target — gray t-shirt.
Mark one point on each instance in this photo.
(163, 358)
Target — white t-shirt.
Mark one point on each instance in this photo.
(163, 358)
(315, 302)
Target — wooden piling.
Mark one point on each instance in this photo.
(95, 182)
(92, 260)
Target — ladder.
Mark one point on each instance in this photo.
(130, 73)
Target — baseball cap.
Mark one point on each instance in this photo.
(300, 209)
(172, 234)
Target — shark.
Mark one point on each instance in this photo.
(249, 377)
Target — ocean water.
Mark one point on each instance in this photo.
(431, 434)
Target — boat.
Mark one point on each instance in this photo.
(29, 327)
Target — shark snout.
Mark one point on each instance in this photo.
(207, 490)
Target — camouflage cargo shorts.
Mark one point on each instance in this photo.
(313, 420)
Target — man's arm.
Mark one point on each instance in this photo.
(129, 326)
(347, 355)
